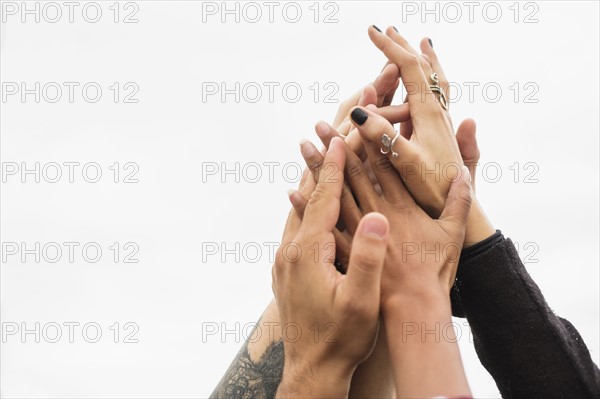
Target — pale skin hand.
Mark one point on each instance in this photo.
(312, 294)
(429, 155)
(415, 294)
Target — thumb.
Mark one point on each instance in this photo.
(467, 141)
(458, 202)
(467, 144)
(367, 255)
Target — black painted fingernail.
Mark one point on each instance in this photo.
(378, 30)
(359, 116)
(396, 29)
(430, 43)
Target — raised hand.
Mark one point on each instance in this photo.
(319, 301)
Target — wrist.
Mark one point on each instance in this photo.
(478, 225)
(314, 381)
(432, 297)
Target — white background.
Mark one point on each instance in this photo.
(172, 134)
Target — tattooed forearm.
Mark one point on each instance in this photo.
(246, 379)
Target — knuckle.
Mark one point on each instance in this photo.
(365, 262)
(355, 169)
(279, 262)
(319, 195)
(463, 197)
(435, 111)
(353, 306)
(424, 64)
(346, 196)
(400, 207)
(384, 165)
(413, 60)
(315, 166)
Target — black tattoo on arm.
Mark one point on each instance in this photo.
(246, 379)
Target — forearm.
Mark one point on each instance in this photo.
(374, 377)
(256, 371)
(478, 225)
(528, 350)
(314, 381)
(260, 362)
(425, 356)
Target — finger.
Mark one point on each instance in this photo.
(458, 203)
(308, 184)
(292, 225)
(326, 133)
(395, 113)
(389, 97)
(436, 66)
(417, 86)
(393, 33)
(305, 174)
(374, 129)
(382, 84)
(426, 58)
(369, 95)
(406, 129)
(467, 144)
(385, 172)
(345, 107)
(360, 184)
(342, 243)
(354, 142)
(363, 278)
(313, 158)
(323, 209)
(349, 213)
(385, 83)
(298, 202)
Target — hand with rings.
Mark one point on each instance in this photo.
(424, 151)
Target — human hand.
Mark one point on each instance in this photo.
(313, 296)
(428, 156)
(420, 268)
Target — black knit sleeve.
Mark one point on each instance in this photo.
(528, 350)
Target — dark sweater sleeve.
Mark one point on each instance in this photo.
(529, 351)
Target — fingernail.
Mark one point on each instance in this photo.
(396, 29)
(295, 197)
(359, 116)
(375, 225)
(334, 143)
(430, 43)
(376, 28)
(306, 148)
(322, 129)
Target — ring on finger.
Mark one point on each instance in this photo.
(388, 143)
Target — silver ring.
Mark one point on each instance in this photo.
(388, 143)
